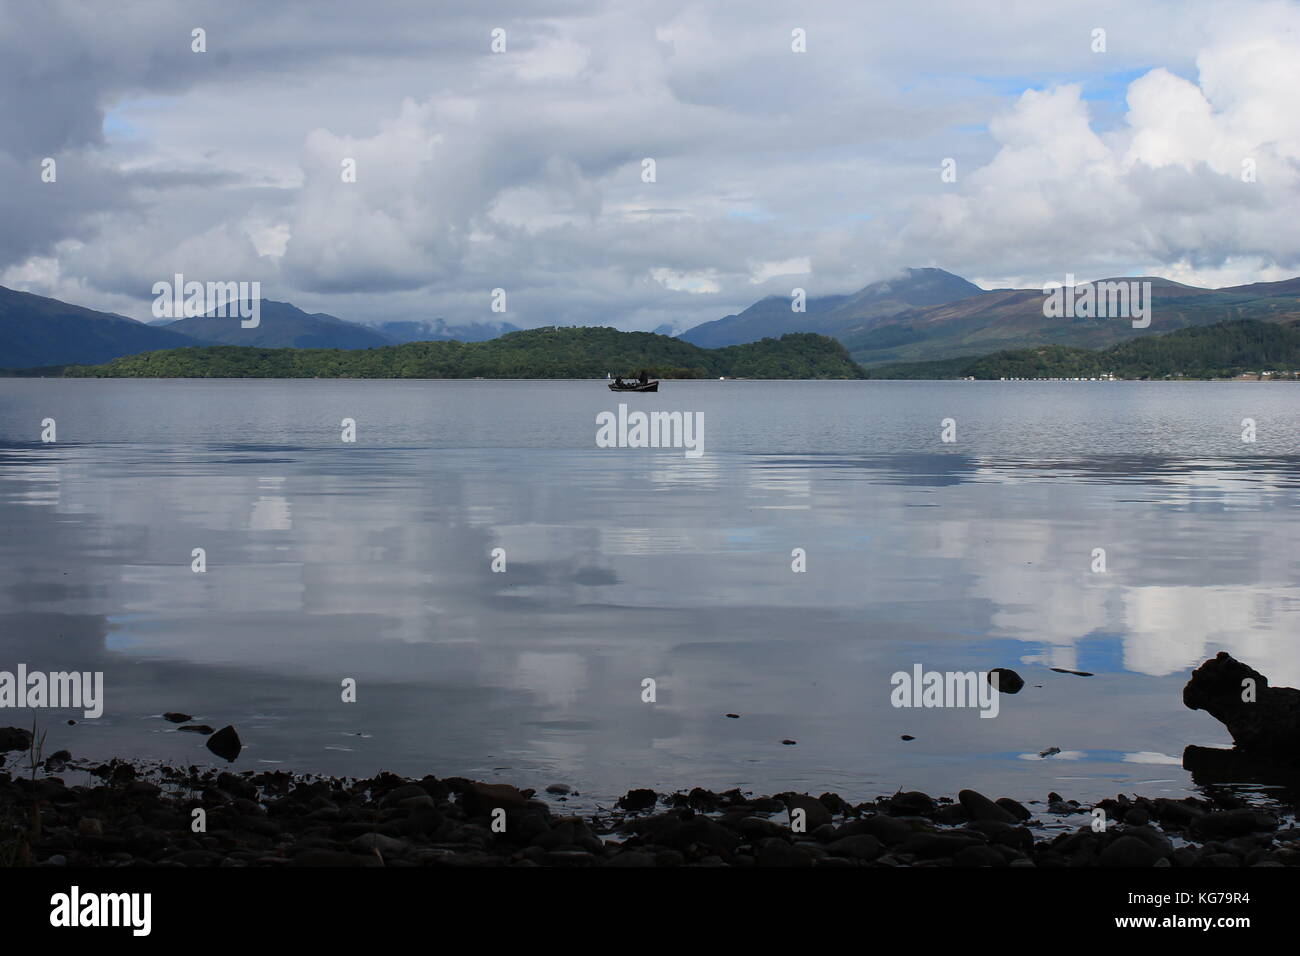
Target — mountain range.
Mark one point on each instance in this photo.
(929, 314)
(924, 314)
(36, 331)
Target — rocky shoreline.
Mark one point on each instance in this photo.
(130, 815)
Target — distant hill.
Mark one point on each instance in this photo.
(930, 314)
(281, 326)
(438, 331)
(535, 353)
(1222, 350)
(1013, 319)
(37, 331)
(836, 315)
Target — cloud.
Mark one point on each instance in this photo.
(522, 170)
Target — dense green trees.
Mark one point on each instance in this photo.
(535, 353)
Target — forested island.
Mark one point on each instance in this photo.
(1225, 350)
(535, 353)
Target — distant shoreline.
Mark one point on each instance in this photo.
(1236, 350)
(26, 374)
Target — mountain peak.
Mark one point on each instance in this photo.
(772, 316)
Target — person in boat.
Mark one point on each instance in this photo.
(643, 378)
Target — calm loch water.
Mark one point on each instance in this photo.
(328, 560)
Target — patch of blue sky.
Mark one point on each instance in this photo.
(1111, 87)
(117, 127)
(122, 121)
(1106, 88)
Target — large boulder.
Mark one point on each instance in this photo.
(1263, 721)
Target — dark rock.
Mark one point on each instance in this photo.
(1136, 816)
(396, 795)
(834, 803)
(815, 812)
(196, 858)
(480, 799)
(1267, 726)
(14, 738)
(635, 858)
(889, 830)
(931, 846)
(756, 828)
(334, 858)
(911, 803)
(225, 743)
(1177, 813)
(1151, 837)
(1014, 808)
(980, 807)
(701, 799)
(637, 800)
(775, 852)
(789, 743)
(826, 833)
(1129, 851)
(421, 802)
(1005, 834)
(979, 856)
(570, 858)
(700, 831)
(1224, 824)
(386, 845)
(861, 847)
(1006, 681)
(951, 814)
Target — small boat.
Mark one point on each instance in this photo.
(618, 385)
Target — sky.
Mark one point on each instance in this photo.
(1097, 139)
